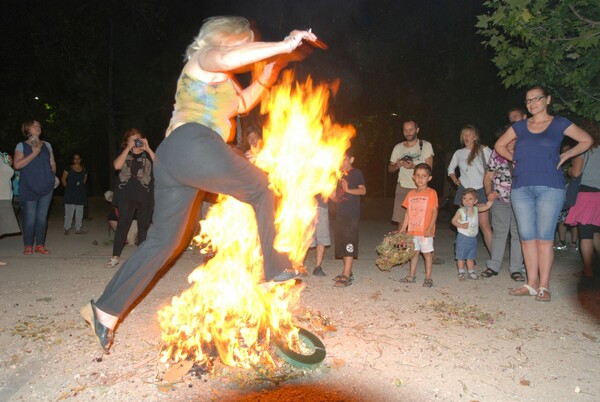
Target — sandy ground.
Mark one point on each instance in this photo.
(457, 341)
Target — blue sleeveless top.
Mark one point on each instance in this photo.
(537, 154)
(36, 178)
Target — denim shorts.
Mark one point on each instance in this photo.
(536, 210)
(465, 247)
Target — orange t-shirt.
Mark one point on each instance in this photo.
(419, 207)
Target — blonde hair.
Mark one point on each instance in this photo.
(215, 28)
(476, 146)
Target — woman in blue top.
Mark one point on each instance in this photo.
(538, 187)
(35, 160)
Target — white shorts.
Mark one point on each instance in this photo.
(423, 244)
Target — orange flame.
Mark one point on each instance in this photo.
(224, 312)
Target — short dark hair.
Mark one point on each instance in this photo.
(516, 109)
(423, 166)
(541, 88)
(411, 120)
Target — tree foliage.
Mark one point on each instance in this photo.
(554, 43)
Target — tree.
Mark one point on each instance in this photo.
(554, 43)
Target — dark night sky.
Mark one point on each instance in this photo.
(395, 59)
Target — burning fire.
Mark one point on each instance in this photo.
(225, 312)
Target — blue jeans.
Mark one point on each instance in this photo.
(536, 209)
(35, 215)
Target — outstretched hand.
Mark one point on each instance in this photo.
(295, 38)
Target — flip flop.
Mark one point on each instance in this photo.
(543, 295)
(524, 290)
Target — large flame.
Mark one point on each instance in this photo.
(225, 312)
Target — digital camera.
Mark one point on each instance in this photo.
(138, 143)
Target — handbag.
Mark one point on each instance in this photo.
(572, 188)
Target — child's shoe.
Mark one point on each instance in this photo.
(462, 276)
(560, 245)
(473, 275)
(318, 271)
(427, 283)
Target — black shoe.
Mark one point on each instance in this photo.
(318, 271)
(489, 273)
(103, 334)
(517, 277)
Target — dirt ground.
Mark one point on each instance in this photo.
(457, 341)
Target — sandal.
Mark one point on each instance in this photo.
(408, 279)
(524, 290)
(113, 262)
(473, 275)
(427, 283)
(462, 276)
(42, 249)
(343, 282)
(28, 250)
(543, 295)
(489, 273)
(337, 278)
(517, 277)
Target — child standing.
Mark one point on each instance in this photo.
(347, 198)
(419, 221)
(466, 221)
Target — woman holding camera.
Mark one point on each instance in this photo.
(134, 191)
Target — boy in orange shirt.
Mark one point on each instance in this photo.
(419, 221)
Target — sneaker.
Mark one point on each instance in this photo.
(560, 245)
(81, 231)
(286, 275)
(573, 247)
(318, 271)
(67, 232)
(462, 276)
(472, 275)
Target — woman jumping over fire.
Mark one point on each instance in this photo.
(194, 158)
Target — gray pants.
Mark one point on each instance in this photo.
(191, 161)
(504, 222)
(70, 210)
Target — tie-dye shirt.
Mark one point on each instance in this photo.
(210, 104)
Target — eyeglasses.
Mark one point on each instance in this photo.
(535, 99)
